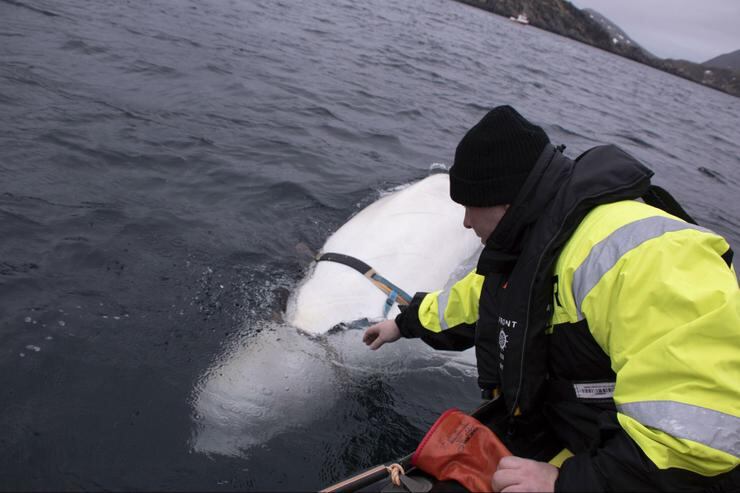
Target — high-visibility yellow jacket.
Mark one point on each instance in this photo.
(661, 302)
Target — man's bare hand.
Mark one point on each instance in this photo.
(515, 474)
(380, 333)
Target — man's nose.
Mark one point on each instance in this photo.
(466, 220)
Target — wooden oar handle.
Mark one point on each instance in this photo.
(356, 482)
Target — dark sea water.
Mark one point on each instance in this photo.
(161, 160)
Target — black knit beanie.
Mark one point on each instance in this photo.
(494, 158)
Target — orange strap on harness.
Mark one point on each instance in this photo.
(461, 448)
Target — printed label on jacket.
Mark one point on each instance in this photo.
(594, 390)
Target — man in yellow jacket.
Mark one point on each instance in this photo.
(607, 320)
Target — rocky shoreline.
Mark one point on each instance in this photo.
(563, 18)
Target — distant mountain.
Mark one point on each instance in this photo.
(590, 27)
(728, 61)
(618, 36)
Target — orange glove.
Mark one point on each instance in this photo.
(459, 447)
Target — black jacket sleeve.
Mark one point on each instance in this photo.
(457, 338)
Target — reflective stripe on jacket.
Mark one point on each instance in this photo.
(661, 302)
(455, 306)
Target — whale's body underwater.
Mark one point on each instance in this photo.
(283, 378)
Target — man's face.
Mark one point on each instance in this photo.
(483, 220)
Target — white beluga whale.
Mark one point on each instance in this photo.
(413, 237)
(287, 374)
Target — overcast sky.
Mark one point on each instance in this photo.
(688, 29)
